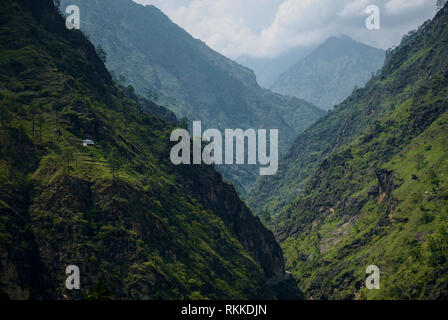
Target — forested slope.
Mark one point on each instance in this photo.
(137, 226)
(367, 184)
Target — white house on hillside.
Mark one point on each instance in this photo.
(88, 143)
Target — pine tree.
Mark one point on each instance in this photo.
(101, 53)
(40, 122)
(5, 102)
(152, 95)
(57, 107)
(67, 157)
(440, 4)
(266, 218)
(34, 111)
(420, 161)
(115, 162)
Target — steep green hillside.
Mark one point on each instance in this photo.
(341, 126)
(372, 178)
(152, 53)
(327, 76)
(137, 226)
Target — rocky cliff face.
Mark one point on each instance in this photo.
(137, 226)
(220, 197)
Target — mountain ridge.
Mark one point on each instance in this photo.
(137, 226)
(364, 185)
(267, 70)
(190, 78)
(327, 75)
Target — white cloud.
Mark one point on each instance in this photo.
(396, 7)
(267, 28)
(354, 8)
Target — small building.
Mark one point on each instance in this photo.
(88, 143)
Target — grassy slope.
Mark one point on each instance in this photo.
(148, 233)
(191, 79)
(381, 197)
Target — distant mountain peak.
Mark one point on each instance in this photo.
(328, 74)
(343, 36)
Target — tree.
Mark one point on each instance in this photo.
(152, 95)
(33, 120)
(57, 107)
(76, 162)
(122, 79)
(40, 122)
(130, 91)
(440, 4)
(266, 218)
(100, 291)
(5, 102)
(115, 162)
(34, 111)
(114, 76)
(67, 157)
(183, 123)
(101, 53)
(420, 161)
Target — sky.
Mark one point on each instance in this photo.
(270, 28)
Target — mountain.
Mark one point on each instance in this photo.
(137, 226)
(329, 74)
(366, 185)
(268, 70)
(152, 53)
